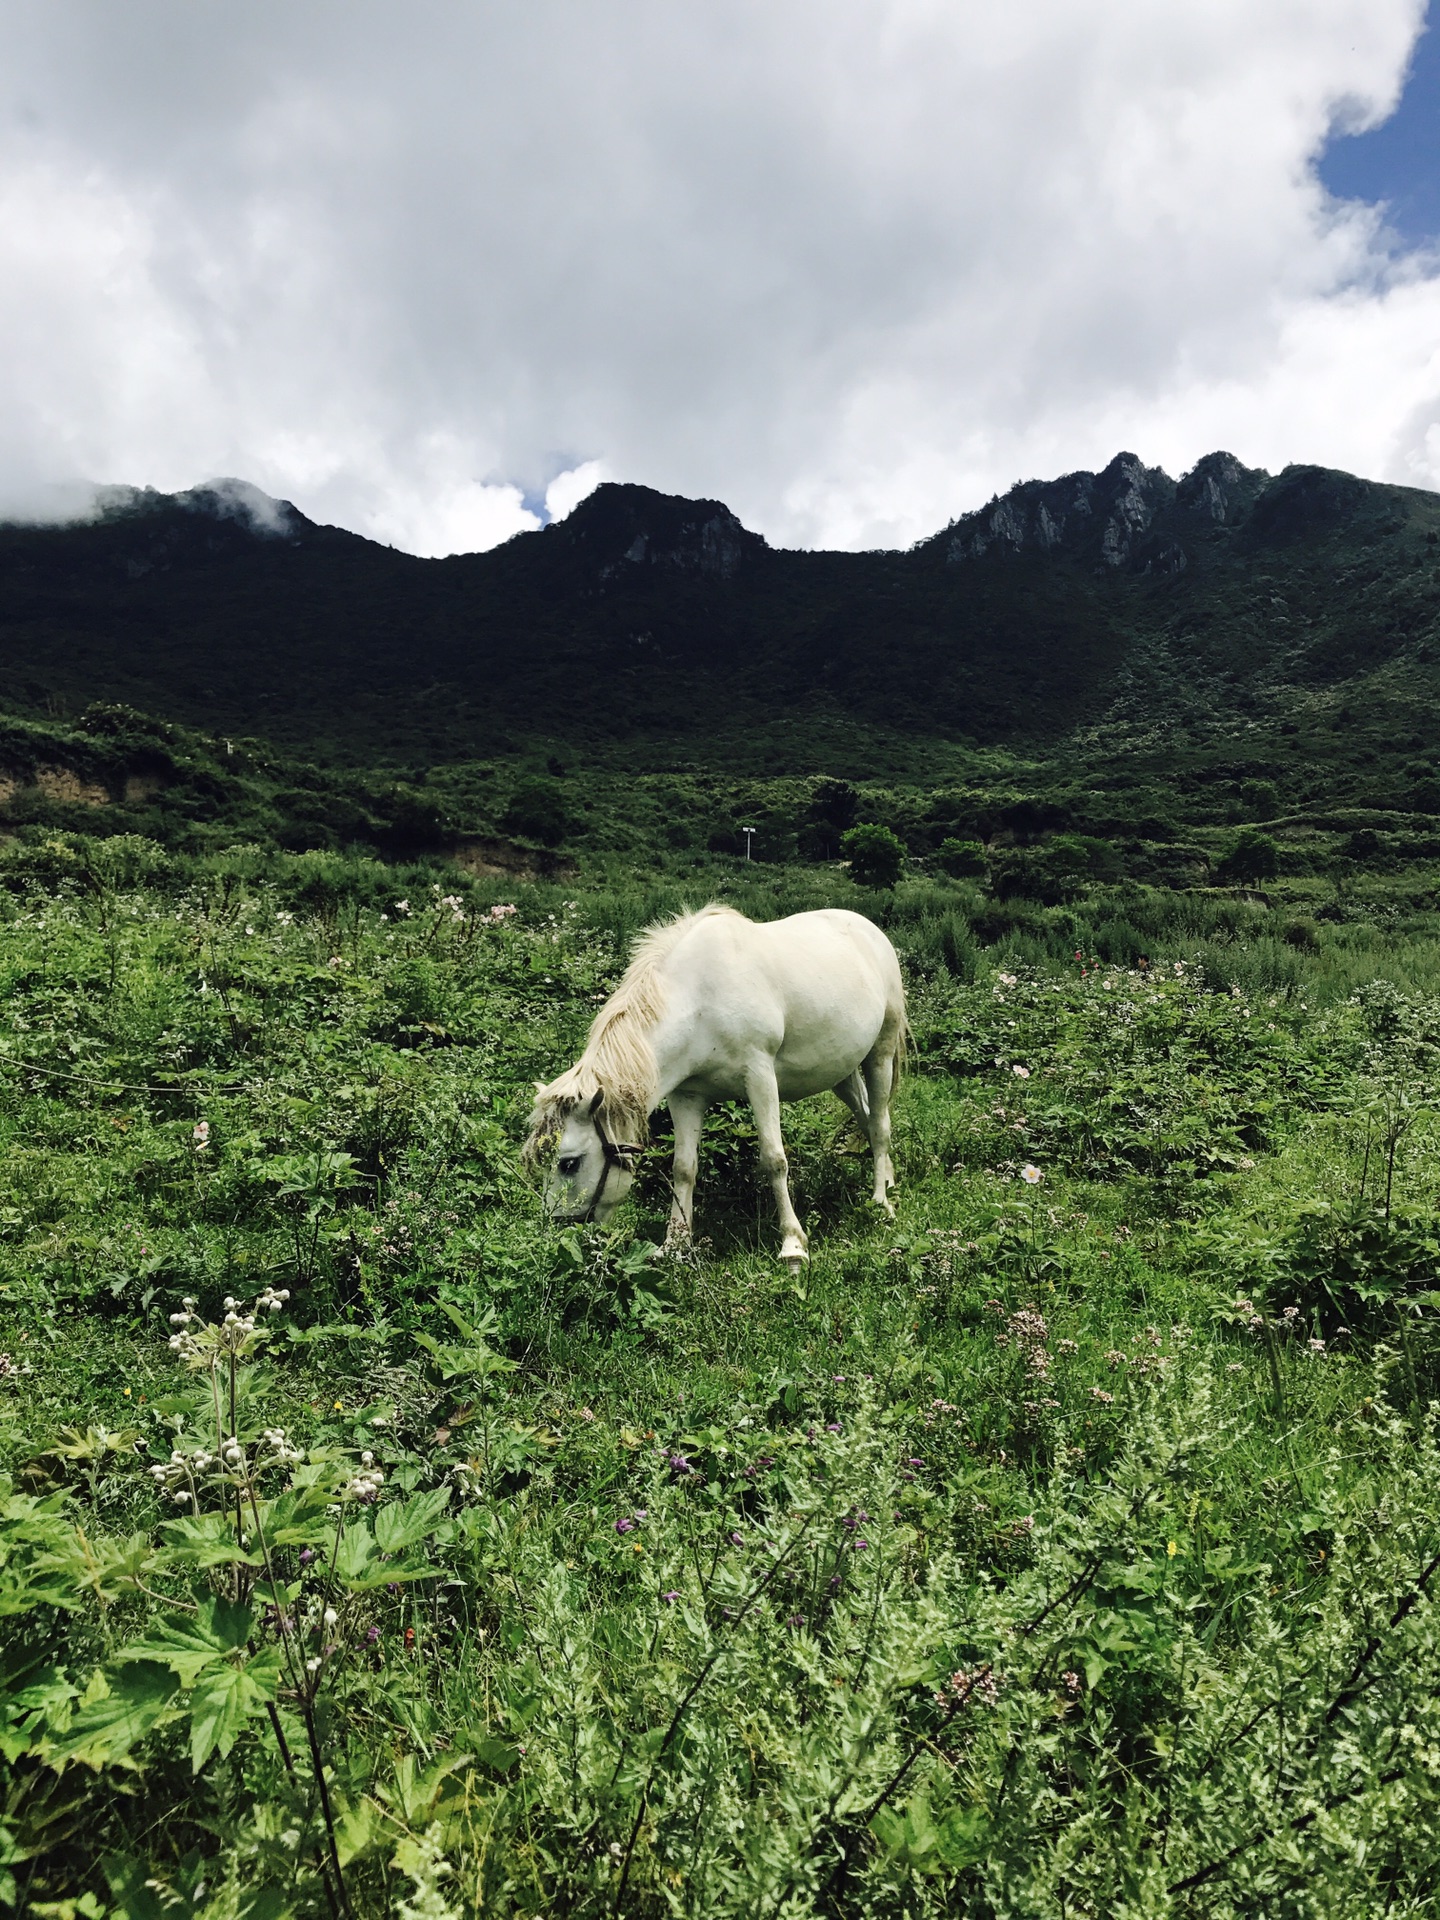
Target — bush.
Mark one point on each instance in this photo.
(962, 859)
(876, 855)
(1253, 856)
(537, 812)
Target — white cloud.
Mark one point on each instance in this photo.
(848, 268)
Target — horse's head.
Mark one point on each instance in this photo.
(590, 1174)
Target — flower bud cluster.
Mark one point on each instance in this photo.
(279, 1449)
(367, 1483)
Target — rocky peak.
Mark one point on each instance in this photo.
(628, 529)
(1111, 509)
(1218, 488)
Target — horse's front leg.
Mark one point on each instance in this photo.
(765, 1103)
(688, 1116)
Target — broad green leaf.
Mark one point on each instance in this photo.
(104, 1731)
(208, 1540)
(224, 1698)
(405, 1522)
(188, 1647)
(355, 1556)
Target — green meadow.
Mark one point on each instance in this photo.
(1067, 1545)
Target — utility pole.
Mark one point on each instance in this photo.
(749, 833)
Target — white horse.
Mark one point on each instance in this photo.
(715, 1007)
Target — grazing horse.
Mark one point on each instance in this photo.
(717, 1007)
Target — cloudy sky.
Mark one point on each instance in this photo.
(851, 266)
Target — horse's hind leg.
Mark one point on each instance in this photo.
(852, 1091)
(879, 1073)
(764, 1097)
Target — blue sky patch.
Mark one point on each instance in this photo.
(1398, 162)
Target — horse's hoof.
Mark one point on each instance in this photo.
(795, 1263)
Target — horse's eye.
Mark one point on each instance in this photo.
(570, 1164)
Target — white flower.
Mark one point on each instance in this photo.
(330, 1616)
(1032, 1176)
(1021, 1073)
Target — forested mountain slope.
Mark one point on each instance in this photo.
(1124, 601)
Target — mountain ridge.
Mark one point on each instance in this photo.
(1229, 594)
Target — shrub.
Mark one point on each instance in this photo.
(876, 855)
(962, 859)
(1253, 856)
(537, 812)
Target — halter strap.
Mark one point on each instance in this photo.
(617, 1154)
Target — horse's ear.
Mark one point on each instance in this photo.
(594, 1106)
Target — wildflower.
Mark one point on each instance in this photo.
(402, 907)
(200, 1134)
(671, 1597)
(861, 1545)
(409, 1636)
(330, 1617)
(1032, 1176)
(1315, 1346)
(1105, 1399)
(1070, 1680)
(586, 1415)
(680, 1466)
(737, 1539)
(796, 1620)
(1171, 1550)
(624, 1526)
(833, 1426)
(979, 1686)
(372, 1637)
(312, 1665)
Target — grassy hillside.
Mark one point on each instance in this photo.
(1064, 1548)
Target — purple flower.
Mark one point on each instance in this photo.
(373, 1636)
(679, 1465)
(307, 1554)
(861, 1545)
(912, 1462)
(671, 1597)
(797, 1620)
(392, 1586)
(834, 1581)
(737, 1539)
(642, 1513)
(624, 1526)
(833, 1427)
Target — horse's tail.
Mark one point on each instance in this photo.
(904, 1044)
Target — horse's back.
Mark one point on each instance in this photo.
(815, 991)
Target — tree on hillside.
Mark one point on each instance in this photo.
(876, 855)
(1253, 856)
(962, 859)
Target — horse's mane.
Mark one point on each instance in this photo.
(618, 1062)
